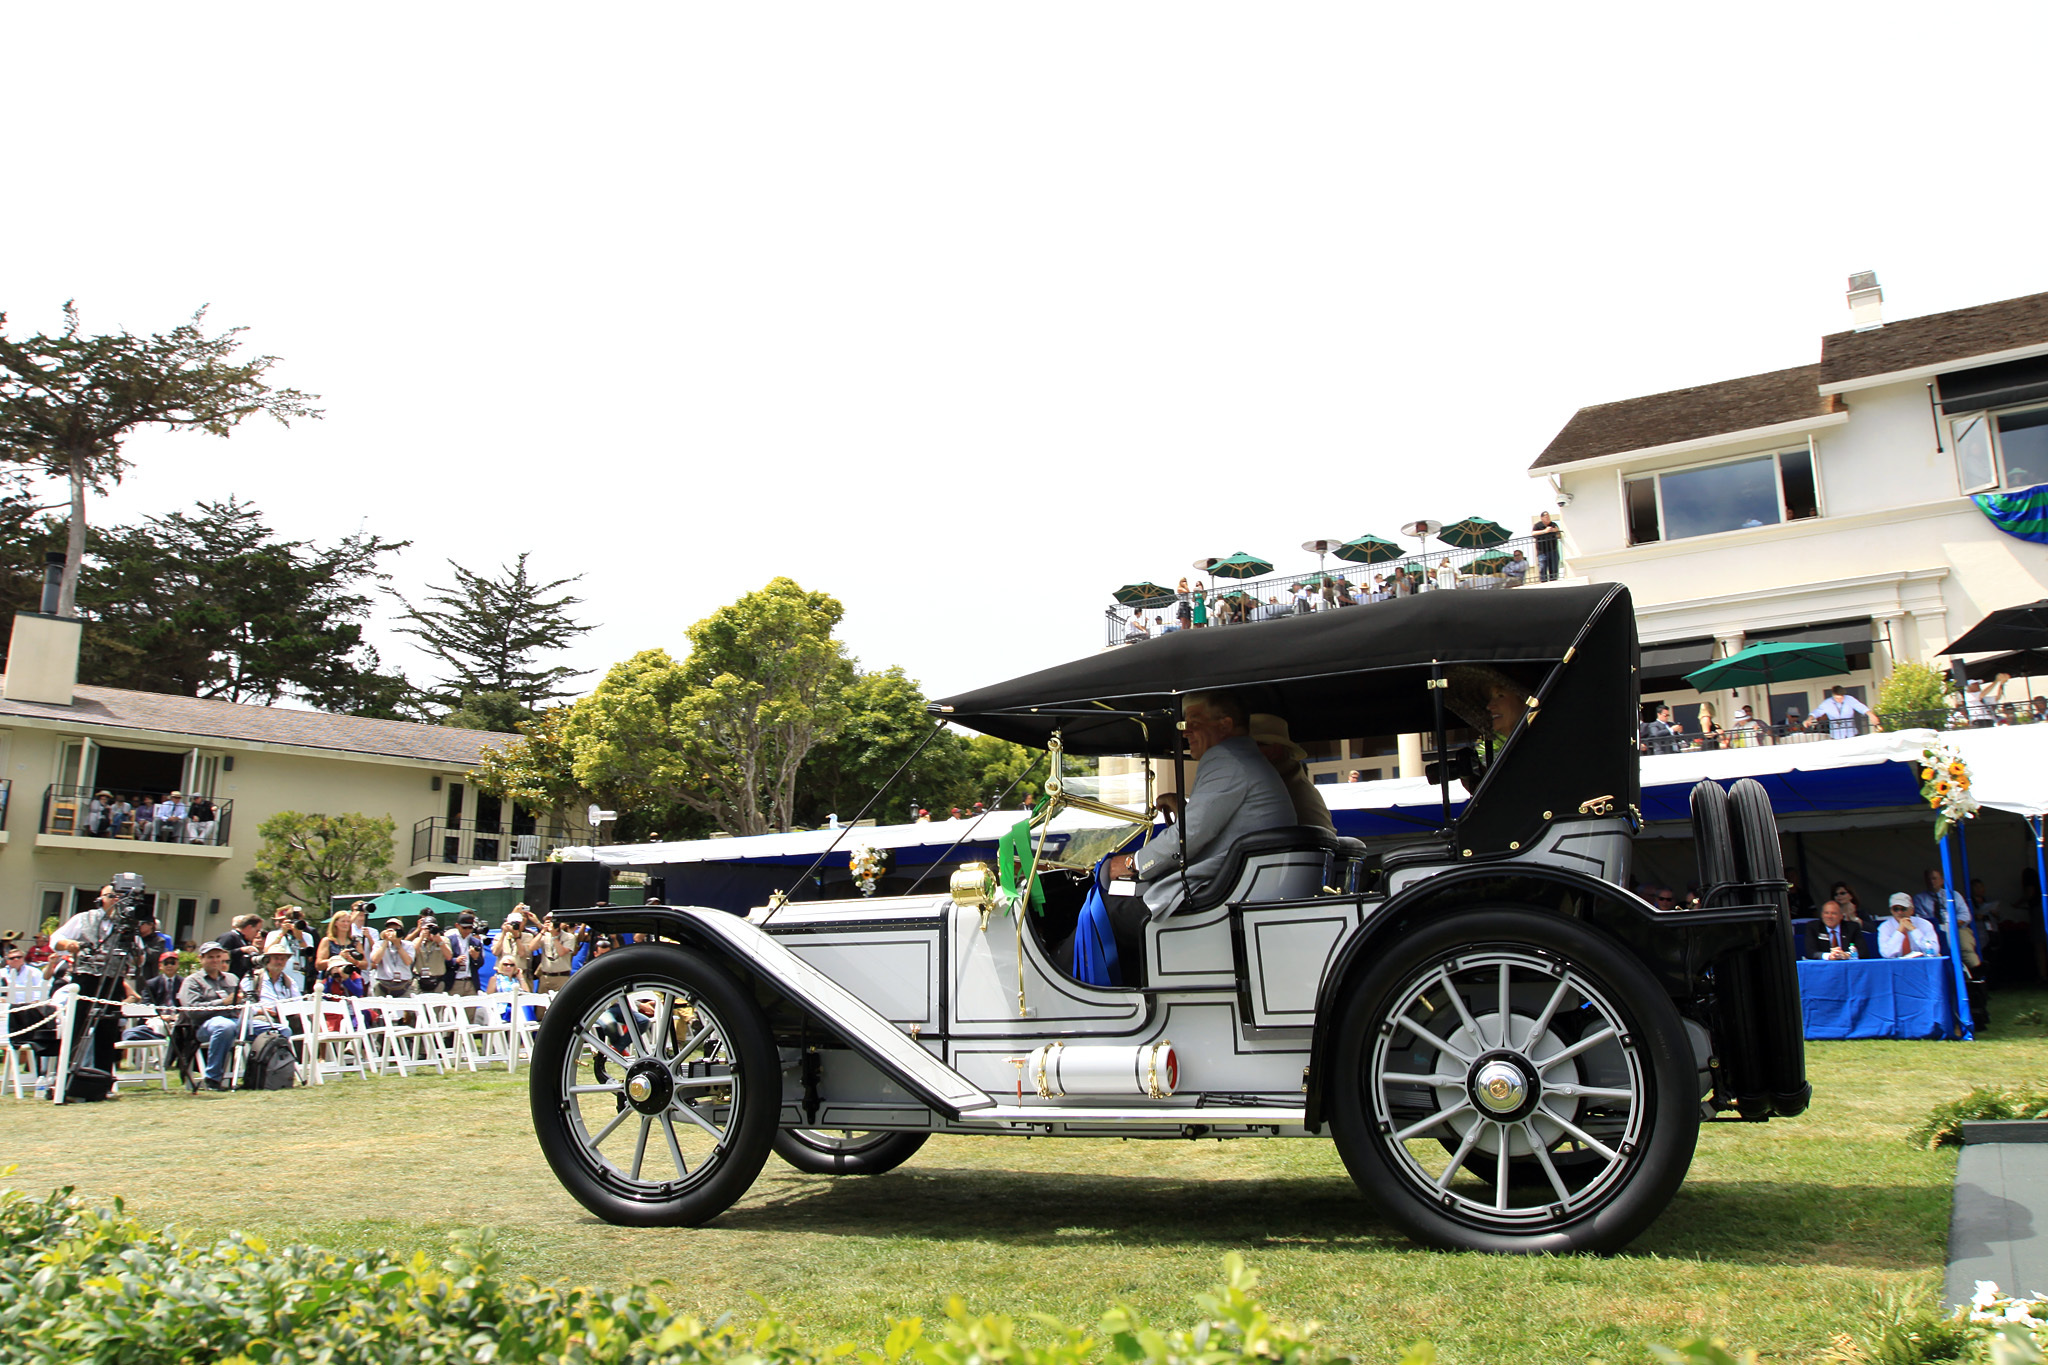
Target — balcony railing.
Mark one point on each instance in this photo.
(464, 843)
(1807, 730)
(1273, 597)
(113, 813)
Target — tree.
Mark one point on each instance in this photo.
(488, 630)
(213, 604)
(67, 402)
(722, 734)
(885, 722)
(307, 860)
(498, 711)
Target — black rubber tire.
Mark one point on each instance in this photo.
(1760, 858)
(1754, 825)
(1648, 1166)
(739, 1041)
(821, 1152)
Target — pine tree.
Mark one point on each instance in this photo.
(488, 631)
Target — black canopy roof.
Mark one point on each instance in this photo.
(1334, 674)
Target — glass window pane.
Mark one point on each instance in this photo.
(1972, 440)
(1801, 498)
(1721, 497)
(2023, 444)
(1642, 510)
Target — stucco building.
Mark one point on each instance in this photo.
(62, 743)
(1831, 501)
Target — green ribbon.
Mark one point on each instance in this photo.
(1013, 856)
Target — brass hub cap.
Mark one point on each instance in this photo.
(1503, 1086)
(649, 1088)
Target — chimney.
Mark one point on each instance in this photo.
(1866, 301)
(42, 654)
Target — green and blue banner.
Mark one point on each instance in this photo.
(2023, 514)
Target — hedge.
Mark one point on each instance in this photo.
(80, 1283)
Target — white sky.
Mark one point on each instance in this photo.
(969, 314)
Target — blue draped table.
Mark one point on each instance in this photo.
(1900, 997)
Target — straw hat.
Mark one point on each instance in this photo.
(1271, 729)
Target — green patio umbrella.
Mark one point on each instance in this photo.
(1475, 533)
(1771, 663)
(1141, 594)
(399, 903)
(1368, 549)
(1486, 564)
(1240, 565)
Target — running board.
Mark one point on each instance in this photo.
(1184, 1116)
(896, 1054)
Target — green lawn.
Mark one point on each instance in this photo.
(1784, 1234)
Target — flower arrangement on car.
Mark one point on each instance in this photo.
(867, 866)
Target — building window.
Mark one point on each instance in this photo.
(1732, 495)
(2001, 449)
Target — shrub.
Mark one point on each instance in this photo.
(1913, 694)
(83, 1284)
(1943, 1126)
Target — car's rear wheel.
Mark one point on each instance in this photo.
(655, 1087)
(1506, 1080)
(821, 1151)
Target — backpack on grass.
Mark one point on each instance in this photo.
(270, 1065)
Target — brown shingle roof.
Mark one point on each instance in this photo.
(200, 718)
(1758, 400)
(1935, 339)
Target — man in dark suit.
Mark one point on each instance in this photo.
(1832, 939)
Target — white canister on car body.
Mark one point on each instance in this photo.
(1149, 1069)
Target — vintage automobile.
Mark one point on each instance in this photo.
(1511, 1051)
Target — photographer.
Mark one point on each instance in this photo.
(519, 942)
(430, 955)
(103, 952)
(299, 944)
(557, 955)
(338, 944)
(391, 961)
(466, 951)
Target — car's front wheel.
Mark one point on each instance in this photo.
(821, 1151)
(1507, 1080)
(655, 1087)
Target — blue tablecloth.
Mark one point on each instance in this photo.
(1904, 997)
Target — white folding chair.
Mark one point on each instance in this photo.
(10, 1066)
(149, 1056)
(453, 1027)
(410, 1036)
(493, 1035)
(526, 1013)
(343, 1046)
(301, 1019)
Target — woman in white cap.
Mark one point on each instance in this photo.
(1905, 934)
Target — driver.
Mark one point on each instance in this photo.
(1235, 792)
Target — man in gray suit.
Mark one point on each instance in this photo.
(1235, 792)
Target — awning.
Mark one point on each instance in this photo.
(1676, 658)
(1994, 386)
(1853, 636)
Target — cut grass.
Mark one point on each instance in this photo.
(1783, 1235)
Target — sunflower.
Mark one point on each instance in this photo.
(1957, 770)
(1941, 789)
(1927, 774)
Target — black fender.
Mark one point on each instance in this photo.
(1678, 946)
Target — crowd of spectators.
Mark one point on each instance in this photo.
(262, 963)
(170, 820)
(1196, 607)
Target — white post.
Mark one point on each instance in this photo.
(66, 1001)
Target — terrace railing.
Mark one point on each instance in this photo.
(1273, 596)
(465, 843)
(81, 812)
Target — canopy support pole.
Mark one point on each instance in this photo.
(1955, 947)
(2040, 868)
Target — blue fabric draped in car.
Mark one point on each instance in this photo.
(1095, 959)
